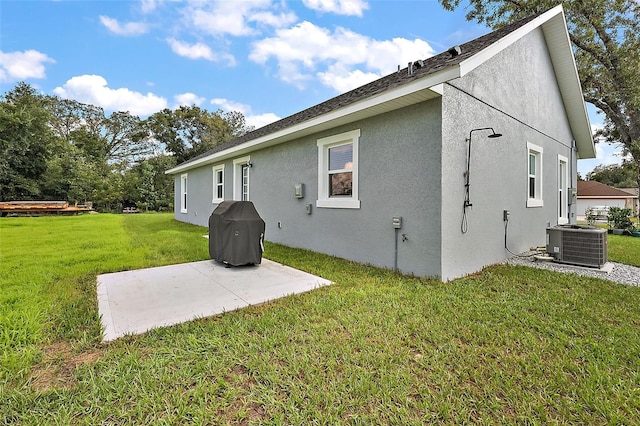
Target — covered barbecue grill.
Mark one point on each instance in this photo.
(236, 233)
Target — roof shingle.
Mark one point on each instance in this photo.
(592, 188)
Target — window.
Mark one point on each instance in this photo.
(241, 167)
(563, 201)
(534, 183)
(218, 184)
(338, 171)
(183, 193)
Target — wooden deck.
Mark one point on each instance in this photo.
(38, 208)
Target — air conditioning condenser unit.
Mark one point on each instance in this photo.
(578, 245)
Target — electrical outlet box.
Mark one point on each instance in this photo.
(298, 190)
(307, 208)
(505, 215)
(397, 222)
(573, 195)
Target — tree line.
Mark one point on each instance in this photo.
(60, 149)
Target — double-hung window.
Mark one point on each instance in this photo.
(218, 184)
(534, 176)
(338, 171)
(183, 193)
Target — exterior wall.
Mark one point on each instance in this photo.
(199, 196)
(399, 175)
(520, 83)
(412, 163)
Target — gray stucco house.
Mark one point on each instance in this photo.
(415, 145)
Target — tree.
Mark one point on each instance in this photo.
(606, 43)
(618, 176)
(190, 131)
(25, 138)
(117, 138)
(147, 186)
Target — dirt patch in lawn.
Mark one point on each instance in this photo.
(56, 370)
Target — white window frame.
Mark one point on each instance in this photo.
(238, 189)
(342, 202)
(563, 190)
(537, 200)
(183, 192)
(219, 169)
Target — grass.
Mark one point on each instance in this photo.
(624, 249)
(506, 345)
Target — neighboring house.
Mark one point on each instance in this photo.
(634, 202)
(601, 197)
(333, 177)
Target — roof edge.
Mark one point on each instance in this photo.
(553, 25)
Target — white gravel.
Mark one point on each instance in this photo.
(616, 272)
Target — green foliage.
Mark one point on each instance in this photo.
(147, 186)
(591, 216)
(508, 345)
(61, 149)
(615, 175)
(25, 140)
(189, 131)
(620, 218)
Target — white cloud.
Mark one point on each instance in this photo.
(191, 51)
(127, 29)
(340, 7)
(148, 6)
(199, 51)
(23, 65)
(342, 59)
(236, 18)
(93, 89)
(188, 99)
(228, 105)
(255, 120)
(344, 80)
(261, 120)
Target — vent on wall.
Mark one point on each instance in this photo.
(578, 245)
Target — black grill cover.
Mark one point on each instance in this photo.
(236, 233)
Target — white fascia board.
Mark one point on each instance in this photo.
(429, 82)
(564, 64)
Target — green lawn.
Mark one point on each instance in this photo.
(507, 345)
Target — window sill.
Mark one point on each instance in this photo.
(338, 204)
(535, 203)
(217, 201)
(183, 211)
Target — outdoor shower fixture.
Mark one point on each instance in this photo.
(467, 201)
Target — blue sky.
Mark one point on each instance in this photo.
(265, 58)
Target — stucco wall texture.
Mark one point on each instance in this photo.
(520, 83)
(412, 163)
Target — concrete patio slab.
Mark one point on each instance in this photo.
(132, 302)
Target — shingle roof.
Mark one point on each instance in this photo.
(430, 66)
(592, 188)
